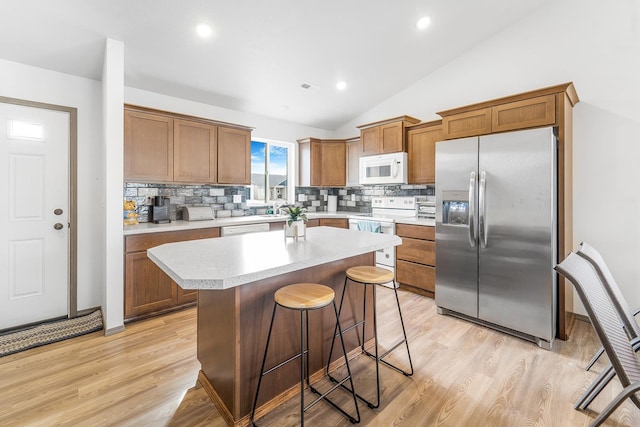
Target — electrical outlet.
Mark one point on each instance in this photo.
(148, 200)
(237, 198)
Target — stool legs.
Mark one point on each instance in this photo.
(304, 369)
(404, 341)
(376, 356)
(262, 372)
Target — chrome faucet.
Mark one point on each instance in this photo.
(277, 206)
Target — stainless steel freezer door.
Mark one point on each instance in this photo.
(516, 280)
(457, 259)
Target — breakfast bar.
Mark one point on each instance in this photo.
(236, 278)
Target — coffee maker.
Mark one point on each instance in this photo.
(159, 212)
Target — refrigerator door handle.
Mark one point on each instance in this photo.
(483, 209)
(473, 232)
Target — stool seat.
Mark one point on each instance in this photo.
(304, 296)
(370, 274)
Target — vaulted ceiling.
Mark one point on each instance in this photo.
(260, 52)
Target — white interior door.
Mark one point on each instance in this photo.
(34, 233)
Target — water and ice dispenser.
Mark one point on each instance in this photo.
(455, 208)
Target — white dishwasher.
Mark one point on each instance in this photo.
(235, 230)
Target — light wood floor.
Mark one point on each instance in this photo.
(465, 375)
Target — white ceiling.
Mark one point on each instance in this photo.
(261, 51)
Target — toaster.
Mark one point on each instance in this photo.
(197, 213)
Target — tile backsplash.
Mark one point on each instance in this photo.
(220, 198)
(356, 199)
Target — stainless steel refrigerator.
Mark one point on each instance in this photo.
(496, 231)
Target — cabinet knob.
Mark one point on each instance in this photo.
(58, 226)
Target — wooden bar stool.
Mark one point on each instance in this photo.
(372, 276)
(304, 297)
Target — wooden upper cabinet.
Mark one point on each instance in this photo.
(470, 123)
(234, 156)
(392, 137)
(542, 107)
(194, 152)
(534, 112)
(386, 136)
(334, 164)
(370, 140)
(167, 147)
(322, 163)
(421, 148)
(148, 147)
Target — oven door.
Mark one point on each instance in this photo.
(384, 257)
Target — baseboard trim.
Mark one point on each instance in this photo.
(582, 317)
(112, 331)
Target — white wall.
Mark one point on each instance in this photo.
(595, 44)
(35, 84)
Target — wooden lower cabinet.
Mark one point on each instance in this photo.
(416, 258)
(329, 222)
(148, 290)
(335, 222)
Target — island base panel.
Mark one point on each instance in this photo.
(233, 326)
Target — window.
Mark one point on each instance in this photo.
(271, 172)
(18, 129)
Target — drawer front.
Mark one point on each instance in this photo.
(416, 231)
(414, 250)
(142, 242)
(417, 275)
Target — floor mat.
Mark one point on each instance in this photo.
(50, 332)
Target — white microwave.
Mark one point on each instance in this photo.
(383, 169)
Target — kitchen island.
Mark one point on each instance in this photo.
(236, 278)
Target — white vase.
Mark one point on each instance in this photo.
(295, 229)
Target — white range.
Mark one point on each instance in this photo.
(384, 213)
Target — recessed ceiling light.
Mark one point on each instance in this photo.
(204, 30)
(423, 22)
(341, 85)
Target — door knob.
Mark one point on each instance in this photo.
(58, 211)
(58, 226)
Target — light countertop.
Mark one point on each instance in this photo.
(231, 261)
(148, 227)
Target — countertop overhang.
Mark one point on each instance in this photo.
(227, 262)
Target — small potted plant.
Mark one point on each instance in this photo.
(296, 219)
